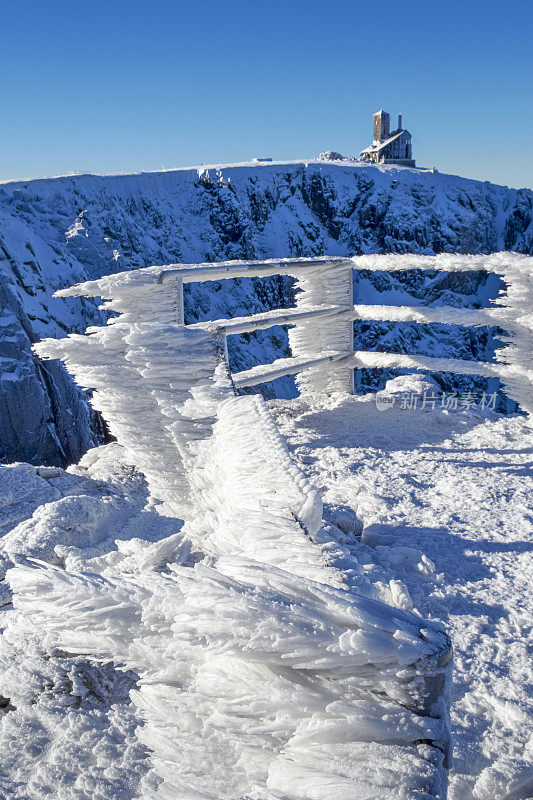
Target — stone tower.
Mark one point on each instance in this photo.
(389, 147)
(381, 125)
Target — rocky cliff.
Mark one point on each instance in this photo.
(55, 232)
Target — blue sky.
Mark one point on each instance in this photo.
(126, 86)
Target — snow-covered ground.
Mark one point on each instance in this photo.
(442, 526)
(445, 508)
(69, 728)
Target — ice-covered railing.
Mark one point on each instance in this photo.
(321, 324)
(512, 311)
(268, 664)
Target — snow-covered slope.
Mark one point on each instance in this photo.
(55, 232)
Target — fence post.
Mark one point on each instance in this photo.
(162, 301)
(330, 285)
(180, 314)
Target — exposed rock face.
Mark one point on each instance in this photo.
(60, 231)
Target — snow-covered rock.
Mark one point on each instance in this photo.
(332, 155)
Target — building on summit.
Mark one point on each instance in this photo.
(387, 147)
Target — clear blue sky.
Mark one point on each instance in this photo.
(111, 86)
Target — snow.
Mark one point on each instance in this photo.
(323, 284)
(440, 522)
(276, 665)
(201, 611)
(255, 641)
(444, 502)
(375, 148)
(69, 731)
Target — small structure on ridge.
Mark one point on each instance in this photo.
(389, 147)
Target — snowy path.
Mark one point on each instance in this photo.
(456, 489)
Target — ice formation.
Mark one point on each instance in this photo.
(266, 664)
(265, 684)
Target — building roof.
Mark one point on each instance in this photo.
(374, 148)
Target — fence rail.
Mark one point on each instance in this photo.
(325, 311)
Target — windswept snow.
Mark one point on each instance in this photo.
(266, 665)
(69, 730)
(442, 524)
(245, 679)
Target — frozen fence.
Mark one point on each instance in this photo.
(321, 324)
(268, 666)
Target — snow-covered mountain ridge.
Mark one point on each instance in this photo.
(55, 232)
